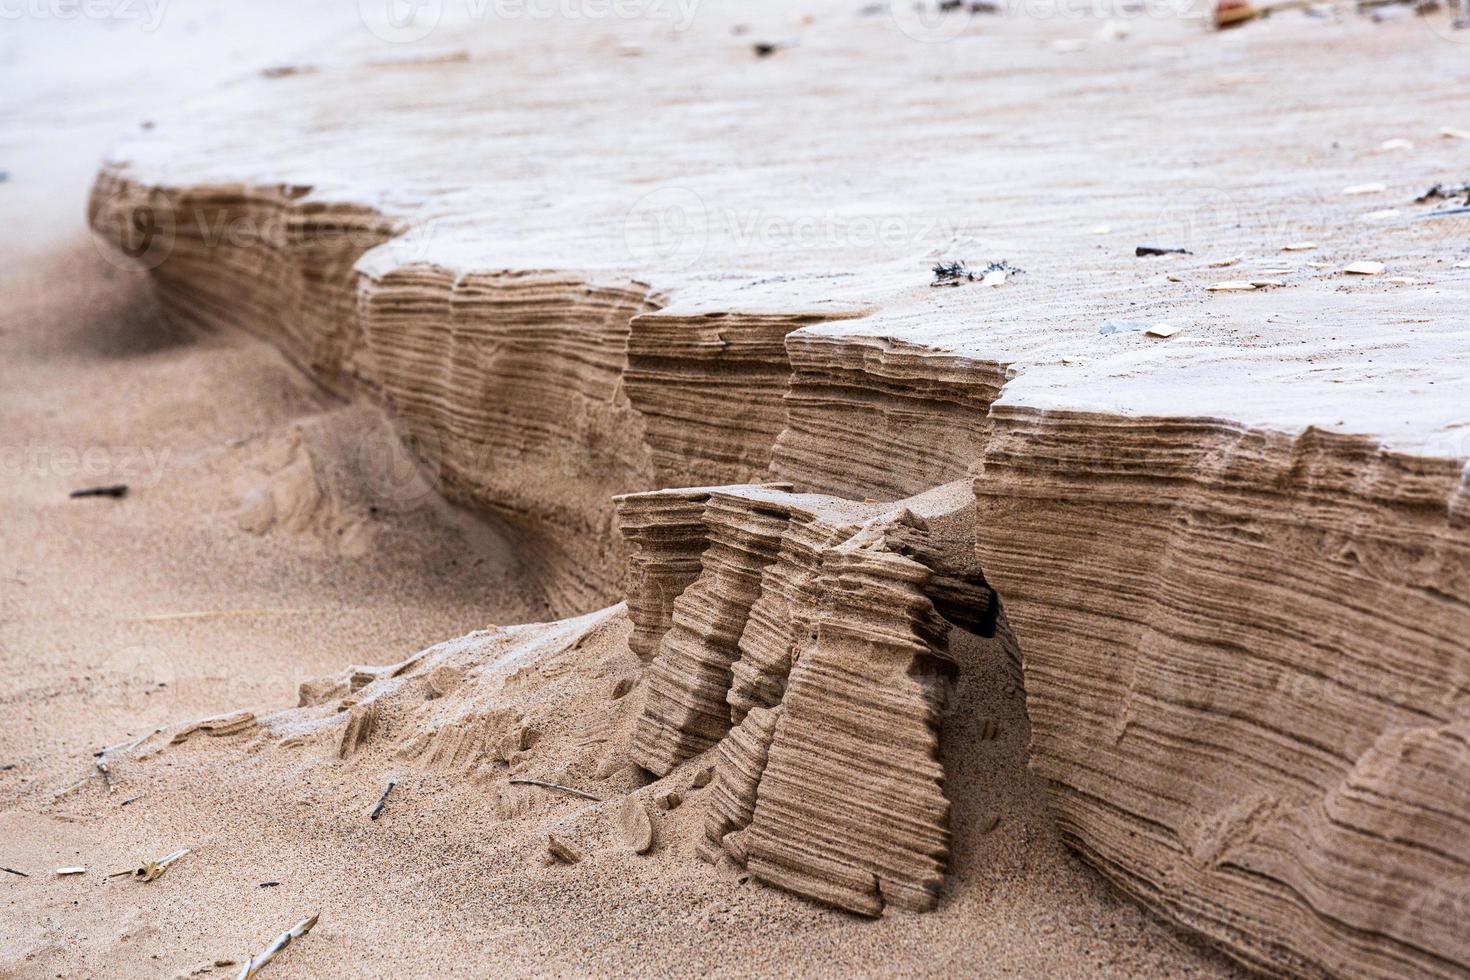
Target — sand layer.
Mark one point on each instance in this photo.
(1181, 530)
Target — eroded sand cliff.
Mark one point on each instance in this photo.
(1234, 565)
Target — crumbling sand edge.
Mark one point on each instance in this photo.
(1113, 528)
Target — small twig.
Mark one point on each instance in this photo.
(152, 870)
(117, 490)
(131, 799)
(565, 789)
(130, 743)
(269, 884)
(12, 871)
(256, 963)
(377, 810)
(223, 614)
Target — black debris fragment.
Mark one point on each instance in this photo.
(12, 871)
(1144, 250)
(955, 273)
(1445, 192)
(117, 490)
(382, 800)
(764, 49)
(951, 274)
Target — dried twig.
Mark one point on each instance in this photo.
(377, 810)
(256, 963)
(565, 789)
(117, 490)
(224, 613)
(152, 870)
(12, 871)
(129, 744)
(131, 799)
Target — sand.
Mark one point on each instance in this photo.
(121, 616)
(275, 534)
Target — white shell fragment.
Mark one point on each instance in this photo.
(71, 871)
(1299, 247)
(1377, 187)
(1388, 146)
(1231, 286)
(1161, 330)
(1365, 269)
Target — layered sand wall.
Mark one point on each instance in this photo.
(1244, 653)
(1235, 565)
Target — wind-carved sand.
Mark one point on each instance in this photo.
(1234, 565)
